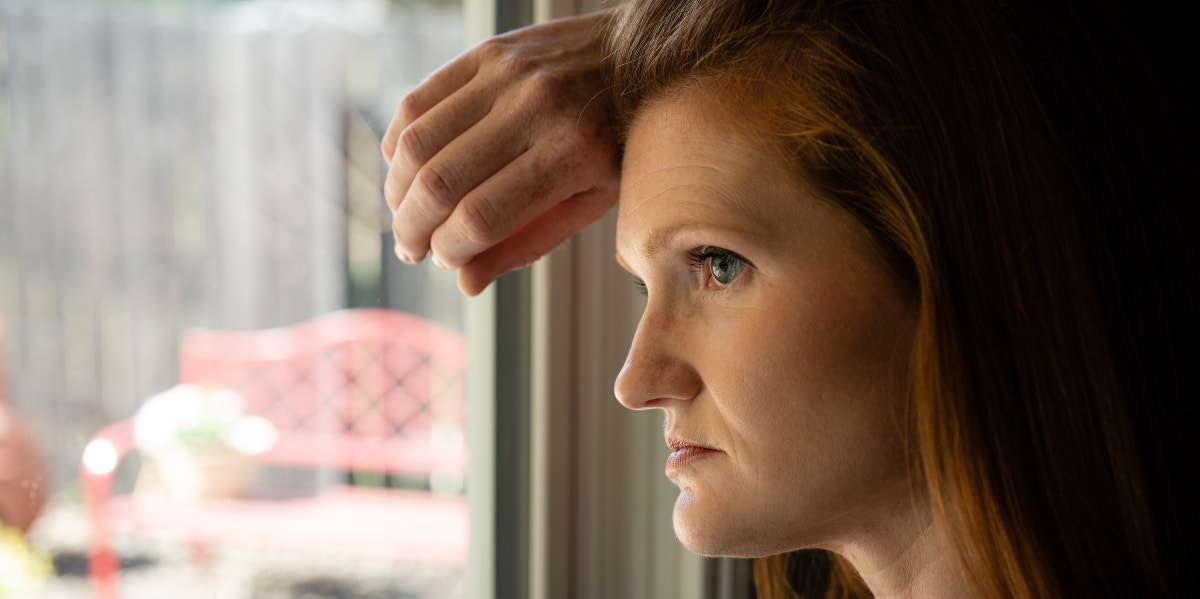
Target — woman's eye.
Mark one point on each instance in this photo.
(725, 268)
(722, 265)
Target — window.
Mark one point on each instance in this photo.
(196, 264)
(174, 170)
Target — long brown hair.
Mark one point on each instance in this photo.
(1021, 171)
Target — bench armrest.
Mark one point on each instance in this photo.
(97, 470)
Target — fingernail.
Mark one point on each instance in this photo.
(399, 251)
(406, 257)
(438, 262)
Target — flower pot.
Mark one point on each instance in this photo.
(206, 471)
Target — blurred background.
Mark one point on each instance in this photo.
(172, 165)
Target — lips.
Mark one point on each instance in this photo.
(684, 453)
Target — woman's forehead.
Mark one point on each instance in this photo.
(679, 151)
(688, 169)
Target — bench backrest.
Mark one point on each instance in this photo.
(360, 390)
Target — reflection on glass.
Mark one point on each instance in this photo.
(234, 389)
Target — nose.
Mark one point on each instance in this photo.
(656, 370)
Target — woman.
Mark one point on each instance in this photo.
(920, 285)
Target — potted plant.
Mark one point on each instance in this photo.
(200, 442)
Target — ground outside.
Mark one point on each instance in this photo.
(161, 569)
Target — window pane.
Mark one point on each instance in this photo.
(205, 327)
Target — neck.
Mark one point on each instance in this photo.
(905, 559)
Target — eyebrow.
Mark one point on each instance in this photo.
(657, 240)
(760, 224)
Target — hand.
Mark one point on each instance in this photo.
(505, 152)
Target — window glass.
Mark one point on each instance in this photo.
(216, 374)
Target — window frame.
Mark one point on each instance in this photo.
(573, 505)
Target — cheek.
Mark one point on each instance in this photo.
(756, 365)
(788, 345)
(735, 347)
(833, 361)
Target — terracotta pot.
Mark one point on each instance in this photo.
(206, 471)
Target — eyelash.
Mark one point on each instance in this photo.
(698, 260)
(701, 258)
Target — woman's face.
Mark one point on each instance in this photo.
(774, 340)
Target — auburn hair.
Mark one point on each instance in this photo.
(1020, 169)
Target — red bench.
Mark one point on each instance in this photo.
(363, 391)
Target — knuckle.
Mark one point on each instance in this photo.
(541, 89)
(492, 49)
(415, 143)
(501, 51)
(436, 188)
(410, 108)
(509, 60)
(479, 222)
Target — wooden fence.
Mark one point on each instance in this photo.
(160, 170)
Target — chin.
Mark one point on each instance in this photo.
(720, 535)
